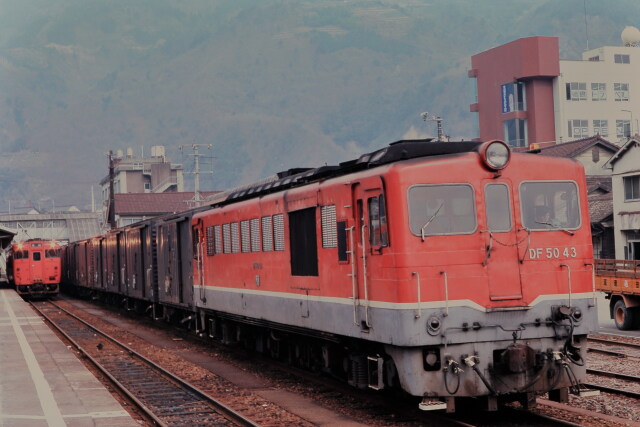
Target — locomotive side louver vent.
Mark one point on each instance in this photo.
(235, 238)
(226, 234)
(255, 235)
(278, 232)
(210, 246)
(217, 236)
(267, 234)
(329, 230)
(246, 238)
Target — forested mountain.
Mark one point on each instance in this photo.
(271, 84)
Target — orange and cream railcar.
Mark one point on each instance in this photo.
(447, 269)
(34, 267)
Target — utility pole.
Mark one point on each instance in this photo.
(431, 118)
(197, 198)
(112, 200)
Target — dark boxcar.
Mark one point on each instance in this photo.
(113, 262)
(81, 263)
(175, 276)
(150, 272)
(138, 254)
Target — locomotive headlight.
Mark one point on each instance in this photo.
(495, 154)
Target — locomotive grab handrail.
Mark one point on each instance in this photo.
(526, 249)
(593, 281)
(569, 280)
(446, 292)
(353, 275)
(200, 261)
(417, 316)
(364, 277)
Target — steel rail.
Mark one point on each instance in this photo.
(613, 342)
(226, 411)
(607, 352)
(625, 377)
(614, 390)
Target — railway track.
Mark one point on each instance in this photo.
(162, 396)
(404, 413)
(627, 355)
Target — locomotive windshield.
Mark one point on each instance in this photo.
(442, 209)
(550, 205)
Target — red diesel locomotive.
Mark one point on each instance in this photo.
(34, 267)
(446, 269)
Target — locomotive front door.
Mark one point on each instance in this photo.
(502, 242)
(369, 235)
(37, 269)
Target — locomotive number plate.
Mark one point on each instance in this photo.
(552, 253)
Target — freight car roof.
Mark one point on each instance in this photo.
(396, 151)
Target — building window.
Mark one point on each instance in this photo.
(147, 186)
(631, 187)
(515, 132)
(578, 128)
(577, 91)
(513, 97)
(595, 154)
(621, 91)
(598, 91)
(601, 127)
(623, 128)
(621, 59)
(594, 58)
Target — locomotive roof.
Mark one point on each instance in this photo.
(396, 151)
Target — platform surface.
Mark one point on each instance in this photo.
(42, 382)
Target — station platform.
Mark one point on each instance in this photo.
(42, 382)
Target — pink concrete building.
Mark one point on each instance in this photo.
(515, 90)
(527, 95)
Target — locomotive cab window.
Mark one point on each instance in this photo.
(378, 236)
(442, 209)
(37, 256)
(498, 207)
(550, 205)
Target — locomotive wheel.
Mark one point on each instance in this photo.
(624, 317)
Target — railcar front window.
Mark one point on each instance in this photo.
(52, 253)
(441, 209)
(550, 205)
